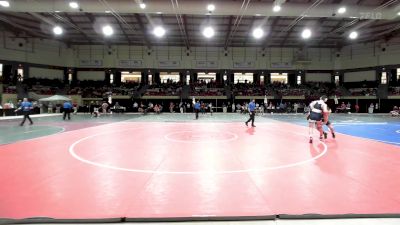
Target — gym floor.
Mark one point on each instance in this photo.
(168, 166)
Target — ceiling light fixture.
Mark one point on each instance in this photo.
(57, 30)
(108, 30)
(258, 33)
(211, 7)
(208, 32)
(159, 31)
(353, 35)
(306, 33)
(341, 10)
(142, 5)
(73, 5)
(276, 8)
(5, 4)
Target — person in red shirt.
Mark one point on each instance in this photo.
(357, 108)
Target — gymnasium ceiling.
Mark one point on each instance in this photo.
(233, 21)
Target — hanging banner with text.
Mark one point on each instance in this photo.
(205, 64)
(168, 64)
(91, 62)
(281, 65)
(244, 65)
(130, 63)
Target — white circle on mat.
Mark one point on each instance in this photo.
(191, 172)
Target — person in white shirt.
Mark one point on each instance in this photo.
(295, 107)
(336, 100)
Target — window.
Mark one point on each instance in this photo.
(187, 79)
(298, 80)
(20, 74)
(206, 77)
(398, 73)
(337, 79)
(70, 77)
(112, 78)
(1, 70)
(130, 77)
(243, 77)
(150, 79)
(279, 78)
(384, 78)
(169, 77)
(262, 80)
(225, 77)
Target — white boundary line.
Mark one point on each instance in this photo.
(76, 156)
(31, 115)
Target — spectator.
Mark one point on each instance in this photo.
(348, 107)
(371, 108)
(395, 111)
(357, 108)
(104, 107)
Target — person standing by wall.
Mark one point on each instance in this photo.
(26, 108)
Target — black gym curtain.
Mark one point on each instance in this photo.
(7, 73)
(117, 78)
(157, 78)
(194, 77)
(292, 78)
(107, 77)
(393, 77)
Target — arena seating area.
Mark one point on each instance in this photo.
(207, 89)
(394, 91)
(305, 93)
(164, 89)
(250, 89)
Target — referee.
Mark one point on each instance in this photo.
(197, 108)
(252, 110)
(26, 107)
(67, 110)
